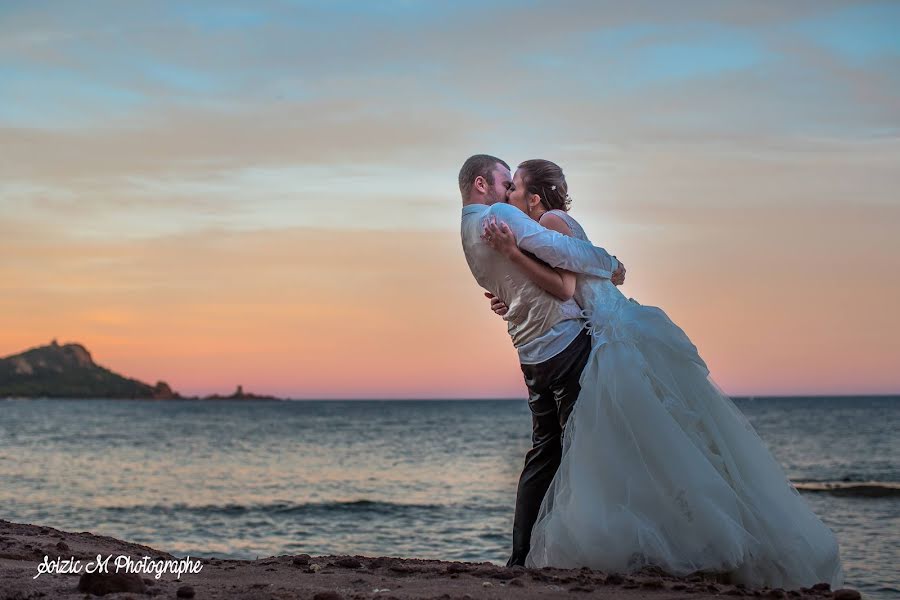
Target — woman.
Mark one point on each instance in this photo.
(659, 466)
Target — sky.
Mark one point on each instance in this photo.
(264, 193)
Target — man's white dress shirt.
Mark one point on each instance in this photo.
(541, 325)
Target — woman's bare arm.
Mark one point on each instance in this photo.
(559, 282)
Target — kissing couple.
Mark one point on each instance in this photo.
(638, 458)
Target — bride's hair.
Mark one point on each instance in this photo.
(546, 179)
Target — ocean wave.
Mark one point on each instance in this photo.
(284, 507)
(863, 489)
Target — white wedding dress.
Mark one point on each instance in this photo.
(659, 467)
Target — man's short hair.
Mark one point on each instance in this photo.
(479, 164)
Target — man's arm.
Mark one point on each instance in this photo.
(554, 248)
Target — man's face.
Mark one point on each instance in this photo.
(502, 181)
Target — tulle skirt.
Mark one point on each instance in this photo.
(659, 467)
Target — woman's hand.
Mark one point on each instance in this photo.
(500, 237)
(497, 305)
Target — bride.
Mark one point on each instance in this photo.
(659, 467)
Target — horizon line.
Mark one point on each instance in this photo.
(441, 399)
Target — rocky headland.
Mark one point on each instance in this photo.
(69, 371)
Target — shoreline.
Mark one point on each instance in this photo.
(300, 576)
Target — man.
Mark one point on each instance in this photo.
(548, 332)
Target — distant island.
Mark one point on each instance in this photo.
(68, 371)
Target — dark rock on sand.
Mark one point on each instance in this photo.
(506, 574)
(846, 594)
(381, 562)
(100, 584)
(456, 568)
(328, 596)
(348, 563)
(652, 571)
(401, 569)
(62, 546)
(185, 591)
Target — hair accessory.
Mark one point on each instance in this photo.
(552, 187)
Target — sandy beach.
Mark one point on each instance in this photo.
(24, 546)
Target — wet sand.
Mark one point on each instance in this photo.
(288, 577)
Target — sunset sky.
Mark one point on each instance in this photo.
(264, 193)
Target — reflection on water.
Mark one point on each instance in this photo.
(430, 479)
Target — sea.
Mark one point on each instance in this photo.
(409, 478)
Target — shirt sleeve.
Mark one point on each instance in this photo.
(554, 248)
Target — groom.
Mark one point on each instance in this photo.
(548, 333)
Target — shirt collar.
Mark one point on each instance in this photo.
(471, 208)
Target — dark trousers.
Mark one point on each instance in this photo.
(553, 388)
